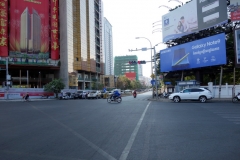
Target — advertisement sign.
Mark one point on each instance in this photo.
(201, 53)
(237, 48)
(29, 32)
(234, 8)
(192, 17)
(3, 28)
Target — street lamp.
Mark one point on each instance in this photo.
(176, 1)
(151, 57)
(165, 7)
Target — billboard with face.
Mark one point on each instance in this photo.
(192, 17)
(201, 53)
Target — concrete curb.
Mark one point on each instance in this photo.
(20, 100)
(168, 100)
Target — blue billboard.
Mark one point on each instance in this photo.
(205, 52)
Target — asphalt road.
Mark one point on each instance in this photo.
(136, 129)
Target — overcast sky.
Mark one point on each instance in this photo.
(135, 18)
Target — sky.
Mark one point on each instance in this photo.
(135, 18)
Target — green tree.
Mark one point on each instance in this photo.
(54, 86)
(123, 82)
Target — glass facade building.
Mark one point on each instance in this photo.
(122, 66)
(80, 43)
(108, 47)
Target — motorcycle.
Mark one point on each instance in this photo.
(134, 95)
(236, 98)
(116, 99)
(166, 95)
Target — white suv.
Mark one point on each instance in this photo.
(201, 94)
(94, 94)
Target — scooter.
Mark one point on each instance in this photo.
(134, 95)
(236, 98)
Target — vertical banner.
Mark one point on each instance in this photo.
(54, 30)
(3, 28)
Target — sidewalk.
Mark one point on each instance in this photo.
(21, 100)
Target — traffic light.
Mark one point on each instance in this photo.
(133, 62)
(141, 62)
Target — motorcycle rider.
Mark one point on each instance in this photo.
(115, 94)
(134, 93)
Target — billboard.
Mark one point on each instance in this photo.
(32, 35)
(192, 17)
(205, 52)
(237, 47)
(234, 8)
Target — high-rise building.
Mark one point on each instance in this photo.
(81, 43)
(30, 32)
(35, 32)
(108, 47)
(25, 30)
(122, 66)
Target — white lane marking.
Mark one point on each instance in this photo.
(128, 147)
(99, 150)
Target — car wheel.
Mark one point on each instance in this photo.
(202, 99)
(176, 99)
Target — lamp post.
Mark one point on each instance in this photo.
(151, 58)
(176, 1)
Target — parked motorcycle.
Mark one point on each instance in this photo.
(116, 99)
(236, 98)
(166, 95)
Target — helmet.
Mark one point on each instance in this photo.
(115, 89)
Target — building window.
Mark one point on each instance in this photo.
(76, 59)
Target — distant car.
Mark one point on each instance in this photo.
(127, 91)
(201, 94)
(85, 94)
(78, 94)
(65, 96)
(94, 94)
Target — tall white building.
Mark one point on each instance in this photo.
(108, 47)
(81, 43)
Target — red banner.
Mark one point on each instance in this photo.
(29, 28)
(54, 30)
(3, 28)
